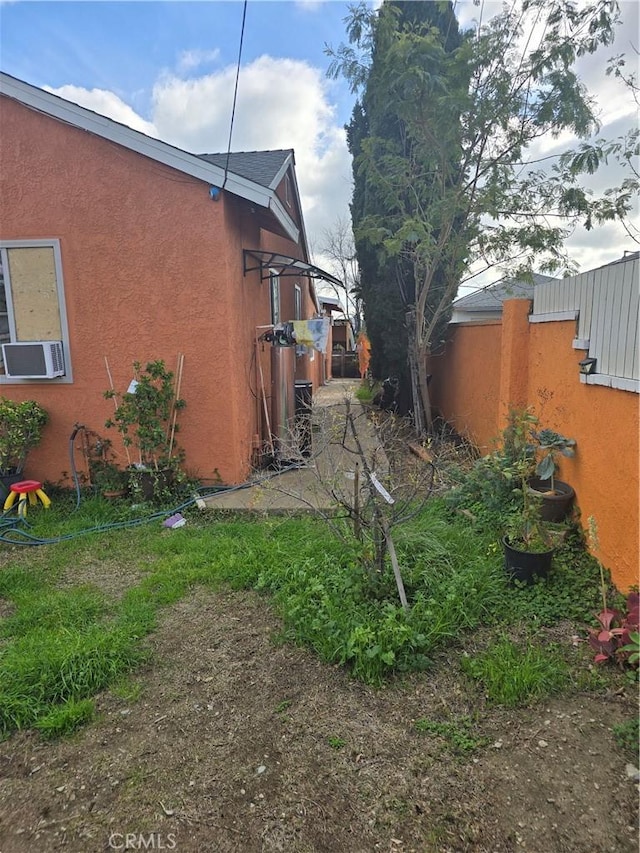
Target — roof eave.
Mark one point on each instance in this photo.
(277, 208)
(92, 122)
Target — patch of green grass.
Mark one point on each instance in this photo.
(54, 609)
(66, 718)
(47, 668)
(281, 707)
(457, 734)
(127, 689)
(336, 742)
(512, 675)
(626, 736)
(365, 392)
(60, 644)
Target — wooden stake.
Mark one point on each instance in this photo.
(394, 562)
(115, 403)
(357, 522)
(177, 397)
(264, 401)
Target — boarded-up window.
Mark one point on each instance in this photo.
(34, 294)
(31, 302)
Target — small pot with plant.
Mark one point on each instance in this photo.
(557, 496)
(528, 546)
(21, 425)
(104, 474)
(146, 417)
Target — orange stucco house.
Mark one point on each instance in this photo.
(123, 248)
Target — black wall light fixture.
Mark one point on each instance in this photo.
(588, 366)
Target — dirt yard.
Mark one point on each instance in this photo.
(235, 742)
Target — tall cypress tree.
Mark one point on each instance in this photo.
(446, 181)
(377, 134)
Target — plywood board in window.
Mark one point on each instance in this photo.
(34, 293)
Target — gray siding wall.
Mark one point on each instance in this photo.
(607, 301)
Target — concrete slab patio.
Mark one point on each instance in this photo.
(326, 478)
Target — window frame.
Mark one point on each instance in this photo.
(274, 296)
(48, 243)
(297, 302)
(287, 190)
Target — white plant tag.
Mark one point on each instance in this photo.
(132, 386)
(385, 494)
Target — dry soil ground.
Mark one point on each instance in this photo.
(238, 743)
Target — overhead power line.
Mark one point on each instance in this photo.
(235, 94)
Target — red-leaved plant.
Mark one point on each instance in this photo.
(613, 640)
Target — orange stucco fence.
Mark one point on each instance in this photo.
(488, 368)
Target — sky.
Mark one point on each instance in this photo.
(168, 70)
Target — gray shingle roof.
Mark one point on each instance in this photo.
(493, 296)
(261, 167)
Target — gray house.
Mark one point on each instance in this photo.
(486, 304)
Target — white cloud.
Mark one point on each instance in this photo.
(309, 5)
(282, 103)
(107, 104)
(286, 103)
(190, 59)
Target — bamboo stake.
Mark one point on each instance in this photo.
(167, 432)
(264, 401)
(115, 403)
(177, 397)
(176, 378)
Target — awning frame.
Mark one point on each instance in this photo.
(284, 265)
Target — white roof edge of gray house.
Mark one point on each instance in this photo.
(162, 152)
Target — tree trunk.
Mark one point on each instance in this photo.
(418, 419)
(425, 399)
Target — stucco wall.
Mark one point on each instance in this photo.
(604, 422)
(538, 367)
(152, 267)
(465, 381)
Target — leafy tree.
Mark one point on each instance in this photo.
(461, 193)
(376, 130)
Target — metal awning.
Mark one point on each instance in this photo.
(254, 259)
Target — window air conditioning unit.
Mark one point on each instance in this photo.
(33, 360)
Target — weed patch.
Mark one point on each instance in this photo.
(65, 718)
(512, 675)
(457, 734)
(626, 736)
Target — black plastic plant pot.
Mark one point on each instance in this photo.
(555, 507)
(526, 566)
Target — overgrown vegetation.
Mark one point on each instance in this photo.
(63, 640)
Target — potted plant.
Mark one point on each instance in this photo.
(557, 495)
(527, 544)
(104, 474)
(21, 425)
(146, 417)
